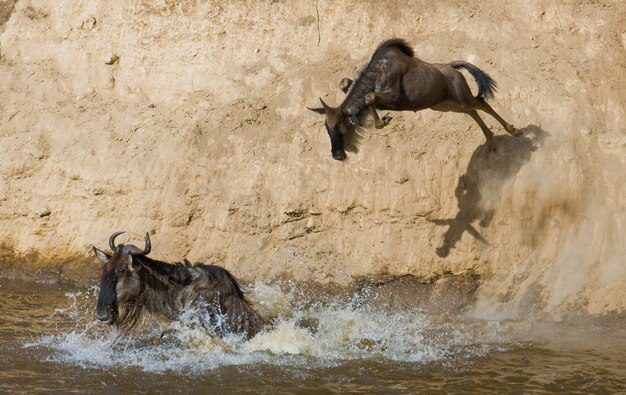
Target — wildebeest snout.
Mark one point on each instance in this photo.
(105, 314)
(339, 155)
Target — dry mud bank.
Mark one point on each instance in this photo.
(187, 119)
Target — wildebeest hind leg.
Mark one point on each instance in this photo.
(488, 133)
(345, 84)
(371, 99)
(507, 126)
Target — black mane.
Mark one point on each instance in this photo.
(354, 101)
(176, 273)
(179, 273)
(399, 43)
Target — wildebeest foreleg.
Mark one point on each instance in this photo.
(371, 100)
(345, 84)
(507, 126)
(488, 133)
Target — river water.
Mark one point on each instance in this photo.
(51, 343)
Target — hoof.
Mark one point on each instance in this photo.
(386, 119)
(345, 85)
(513, 131)
(383, 122)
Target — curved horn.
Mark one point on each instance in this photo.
(132, 250)
(148, 246)
(112, 240)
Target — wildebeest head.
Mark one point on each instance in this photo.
(120, 284)
(337, 126)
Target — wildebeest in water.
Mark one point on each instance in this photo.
(132, 283)
(394, 79)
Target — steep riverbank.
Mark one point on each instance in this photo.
(187, 119)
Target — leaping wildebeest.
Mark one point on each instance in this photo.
(395, 80)
(132, 283)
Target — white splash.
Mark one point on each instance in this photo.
(317, 335)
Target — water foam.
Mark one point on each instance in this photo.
(302, 335)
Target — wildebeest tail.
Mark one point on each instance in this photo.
(486, 85)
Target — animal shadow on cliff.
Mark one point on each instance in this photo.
(479, 189)
(6, 9)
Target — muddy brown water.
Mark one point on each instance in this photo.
(50, 343)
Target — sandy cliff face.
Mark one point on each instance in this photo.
(187, 119)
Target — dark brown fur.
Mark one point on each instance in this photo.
(132, 283)
(395, 80)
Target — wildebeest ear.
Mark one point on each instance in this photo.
(102, 256)
(319, 110)
(325, 109)
(332, 114)
(130, 262)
